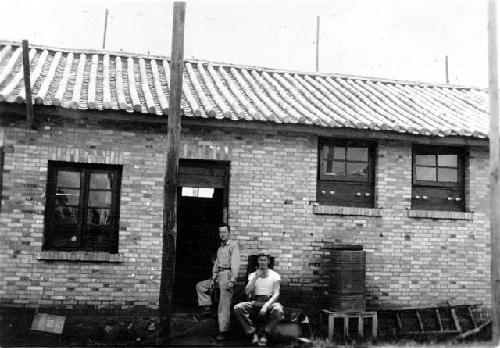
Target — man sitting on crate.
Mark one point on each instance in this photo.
(264, 290)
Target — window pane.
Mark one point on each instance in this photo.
(66, 233)
(357, 154)
(101, 180)
(447, 160)
(97, 234)
(68, 179)
(426, 173)
(335, 168)
(357, 169)
(447, 174)
(65, 214)
(67, 196)
(205, 192)
(426, 160)
(189, 192)
(339, 153)
(200, 192)
(99, 216)
(99, 198)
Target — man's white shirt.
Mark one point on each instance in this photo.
(265, 286)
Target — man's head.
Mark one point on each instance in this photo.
(224, 231)
(263, 260)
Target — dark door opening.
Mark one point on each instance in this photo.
(201, 207)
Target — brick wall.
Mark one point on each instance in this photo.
(413, 258)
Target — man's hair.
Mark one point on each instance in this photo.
(264, 253)
(225, 225)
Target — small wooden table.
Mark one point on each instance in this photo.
(346, 315)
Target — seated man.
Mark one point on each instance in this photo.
(264, 288)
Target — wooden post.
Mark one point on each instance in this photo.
(105, 28)
(172, 163)
(317, 43)
(27, 84)
(2, 136)
(494, 171)
(446, 69)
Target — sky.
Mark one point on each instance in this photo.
(394, 39)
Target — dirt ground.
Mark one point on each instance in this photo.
(142, 330)
(99, 330)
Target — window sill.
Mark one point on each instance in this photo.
(85, 256)
(340, 210)
(436, 214)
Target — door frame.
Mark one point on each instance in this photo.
(208, 163)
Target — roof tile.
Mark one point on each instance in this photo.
(89, 79)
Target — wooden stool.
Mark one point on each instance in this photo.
(346, 315)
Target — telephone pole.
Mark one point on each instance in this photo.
(171, 170)
(494, 171)
(317, 43)
(106, 13)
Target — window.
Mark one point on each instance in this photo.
(198, 192)
(82, 211)
(438, 178)
(346, 173)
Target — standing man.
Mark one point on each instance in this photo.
(264, 290)
(224, 273)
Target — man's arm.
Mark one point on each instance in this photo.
(273, 298)
(235, 261)
(251, 283)
(215, 268)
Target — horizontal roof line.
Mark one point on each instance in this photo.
(243, 66)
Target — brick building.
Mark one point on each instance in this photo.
(293, 161)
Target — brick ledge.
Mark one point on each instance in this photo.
(435, 214)
(339, 210)
(86, 256)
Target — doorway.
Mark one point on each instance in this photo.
(201, 208)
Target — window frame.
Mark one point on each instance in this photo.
(345, 143)
(439, 150)
(51, 242)
(457, 187)
(322, 177)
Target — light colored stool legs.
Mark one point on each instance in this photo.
(361, 322)
(331, 327)
(360, 326)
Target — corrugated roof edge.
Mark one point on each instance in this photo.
(242, 66)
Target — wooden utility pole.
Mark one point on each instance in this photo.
(2, 136)
(27, 84)
(106, 13)
(317, 43)
(494, 171)
(172, 163)
(446, 69)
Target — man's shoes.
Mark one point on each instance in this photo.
(263, 341)
(255, 339)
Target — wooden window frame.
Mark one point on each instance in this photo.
(362, 190)
(51, 242)
(453, 188)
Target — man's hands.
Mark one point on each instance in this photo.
(260, 273)
(263, 310)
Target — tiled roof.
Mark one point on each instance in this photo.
(87, 79)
